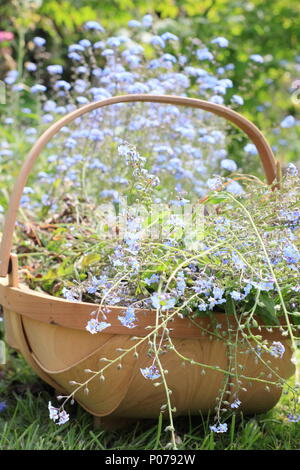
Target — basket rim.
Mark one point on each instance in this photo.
(60, 312)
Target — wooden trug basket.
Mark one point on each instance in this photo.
(50, 332)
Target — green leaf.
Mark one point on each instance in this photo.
(50, 275)
(89, 259)
(266, 309)
(217, 199)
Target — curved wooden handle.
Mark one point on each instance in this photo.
(263, 148)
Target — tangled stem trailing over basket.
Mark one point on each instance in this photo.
(242, 263)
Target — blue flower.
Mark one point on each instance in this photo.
(18, 87)
(204, 54)
(213, 302)
(85, 43)
(94, 26)
(131, 240)
(70, 143)
(251, 149)
(257, 58)
(110, 193)
(99, 45)
(288, 121)
(220, 89)
(28, 190)
(225, 82)
(113, 42)
(216, 99)
(235, 188)
(203, 286)
(180, 284)
(238, 263)
(80, 85)
(94, 326)
(218, 293)
(129, 318)
(203, 307)
(235, 295)
(134, 24)
(147, 21)
(291, 254)
(229, 165)
(277, 349)
(82, 68)
(75, 48)
(61, 110)
(38, 88)
(235, 404)
(163, 301)
(97, 284)
(107, 52)
(219, 428)
(154, 279)
(9, 120)
(46, 200)
(47, 118)
(292, 217)
(30, 66)
(293, 418)
(55, 69)
(179, 202)
(62, 84)
(266, 286)
(158, 41)
(214, 183)
(292, 169)
(169, 36)
(170, 58)
(3, 406)
(63, 417)
(59, 417)
(74, 56)
(38, 41)
(220, 41)
(49, 106)
(247, 289)
(236, 99)
(69, 295)
(150, 372)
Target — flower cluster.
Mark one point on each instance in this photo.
(219, 428)
(277, 349)
(58, 416)
(150, 372)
